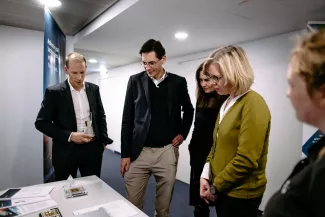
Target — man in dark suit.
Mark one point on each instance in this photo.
(153, 128)
(72, 114)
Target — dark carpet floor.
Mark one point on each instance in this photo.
(179, 205)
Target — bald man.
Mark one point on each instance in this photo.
(72, 114)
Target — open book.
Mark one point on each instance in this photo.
(117, 208)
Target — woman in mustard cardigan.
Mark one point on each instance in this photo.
(234, 174)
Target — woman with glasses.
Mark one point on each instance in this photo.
(234, 175)
(207, 108)
(303, 193)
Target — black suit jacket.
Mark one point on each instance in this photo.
(137, 114)
(57, 118)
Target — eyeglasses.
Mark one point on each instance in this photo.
(215, 79)
(151, 64)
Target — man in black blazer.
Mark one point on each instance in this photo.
(72, 114)
(153, 128)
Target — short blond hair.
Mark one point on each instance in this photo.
(308, 60)
(234, 67)
(74, 56)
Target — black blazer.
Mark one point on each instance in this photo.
(57, 118)
(137, 115)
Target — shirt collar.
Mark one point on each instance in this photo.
(162, 78)
(72, 89)
(316, 147)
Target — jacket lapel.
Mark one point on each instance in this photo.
(69, 102)
(90, 96)
(145, 85)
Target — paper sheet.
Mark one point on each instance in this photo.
(35, 207)
(33, 192)
(22, 201)
(117, 208)
(17, 193)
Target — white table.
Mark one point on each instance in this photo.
(98, 193)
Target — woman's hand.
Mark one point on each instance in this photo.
(204, 189)
(210, 197)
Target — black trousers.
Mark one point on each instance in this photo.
(234, 207)
(85, 157)
(201, 208)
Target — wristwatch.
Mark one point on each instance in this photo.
(213, 190)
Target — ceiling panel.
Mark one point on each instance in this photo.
(77, 13)
(27, 14)
(107, 60)
(72, 16)
(209, 23)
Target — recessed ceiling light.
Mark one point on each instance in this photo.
(93, 61)
(181, 35)
(51, 3)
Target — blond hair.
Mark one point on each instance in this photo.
(74, 56)
(234, 67)
(308, 60)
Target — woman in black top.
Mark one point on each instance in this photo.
(303, 193)
(207, 108)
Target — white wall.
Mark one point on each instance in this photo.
(269, 58)
(21, 82)
(69, 44)
(112, 89)
(308, 131)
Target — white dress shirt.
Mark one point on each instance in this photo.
(206, 173)
(82, 110)
(157, 82)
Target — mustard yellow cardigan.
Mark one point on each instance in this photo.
(239, 153)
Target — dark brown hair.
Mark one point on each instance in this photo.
(153, 45)
(203, 99)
